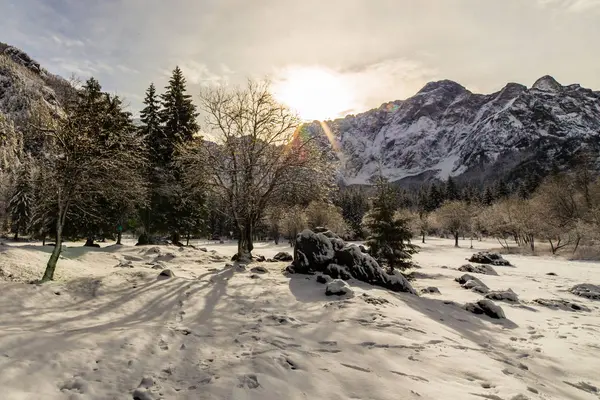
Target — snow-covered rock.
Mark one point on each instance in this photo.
(315, 252)
(503, 295)
(338, 287)
(486, 307)
(586, 290)
(478, 269)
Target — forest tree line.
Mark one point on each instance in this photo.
(87, 171)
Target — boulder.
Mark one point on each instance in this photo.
(320, 229)
(260, 259)
(363, 267)
(124, 264)
(586, 290)
(503, 295)
(166, 274)
(489, 258)
(470, 282)
(313, 251)
(338, 244)
(431, 290)
(338, 287)
(478, 269)
(283, 256)
(560, 304)
(362, 248)
(324, 279)
(260, 270)
(142, 394)
(486, 307)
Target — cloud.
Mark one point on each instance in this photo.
(199, 74)
(63, 41)
(571, 5)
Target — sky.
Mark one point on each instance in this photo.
(323, 56)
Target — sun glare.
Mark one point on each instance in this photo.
(314, 93)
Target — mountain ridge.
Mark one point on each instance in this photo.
(446, 130)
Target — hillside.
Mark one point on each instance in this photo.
(25, 86)
(446, 130)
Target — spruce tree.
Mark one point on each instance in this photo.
(390, 237)
(452, 192)
(178, 212)
(436, 198)
(151, 127)
(178, 114)
(19, 205)
(488, 196)
(501, 190)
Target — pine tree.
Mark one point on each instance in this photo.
(390, 237)
(178, 114)
(178, 118)
(435, 196)
(19, 205)
(451, 191)
(501, 190)
(488, 196)
(151, 127)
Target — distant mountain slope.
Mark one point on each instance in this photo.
(445, 130)
(25, 85)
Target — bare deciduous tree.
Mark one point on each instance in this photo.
(455, 217)
(261, 157)
(294, 222)
(322, 214)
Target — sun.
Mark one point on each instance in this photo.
(315, 93)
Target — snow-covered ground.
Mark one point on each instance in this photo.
(108, 328)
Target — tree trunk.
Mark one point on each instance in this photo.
(176, 239)
(16, 235)
(51, 266)
(43, 238)
(456, 239)
(532, 243)
(187, 239)
(423, 240)
(276, 240)
(89, 241)
(245, 245)
(552, 248)
(119, 234)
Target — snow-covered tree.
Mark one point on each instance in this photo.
(389, 234)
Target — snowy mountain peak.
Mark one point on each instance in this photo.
(444, 85)
(445, 130)
(548, 84)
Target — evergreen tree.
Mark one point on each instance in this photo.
(151, 127)
(501, 190)
(354, 205)
(173, 209)
(451, 190)
(19, 205)
(178, 114)
(435, 198)
(488, 196)
(390, 237)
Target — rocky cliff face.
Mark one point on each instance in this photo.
(445, 130)
(25, 86)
